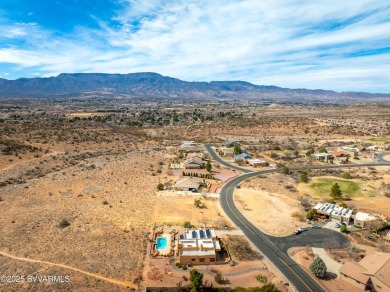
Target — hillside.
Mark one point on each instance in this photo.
(153, 85)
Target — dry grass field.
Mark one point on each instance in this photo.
(108, 201)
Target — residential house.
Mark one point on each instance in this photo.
(230, 144)
(340, 154)
(227, 151)
(199, 247)
(193, 163)
(257, 162)
(364, 219)
(241, 157)
(371, 273)
(333, 212)
(188, 184)
(322, 156)
(361, 148)
(188, 146)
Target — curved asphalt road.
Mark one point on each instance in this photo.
(380, 157)
(223, 162)
(274, 248)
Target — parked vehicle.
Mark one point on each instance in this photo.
(315, 226)
(238, 187)
(297, 232)
(302, 229)
(337, 225)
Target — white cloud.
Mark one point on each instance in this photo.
(309, 44)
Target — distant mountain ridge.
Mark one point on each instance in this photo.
(154, 85)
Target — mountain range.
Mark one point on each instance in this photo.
(153, 85)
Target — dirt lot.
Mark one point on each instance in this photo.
(108, 206)
(176, 210)
(264, 209)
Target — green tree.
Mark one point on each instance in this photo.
(343, 229)
(311, 214)
(343, 205)
(285, 170)
(335, 192)
(237, 149)
(208, 166)
(310, 152)
(318, 268)
(296, 153)
(304, 177)
(160, 186)
(322, 150)
(187, 224)
(196, 279)
(269, 287)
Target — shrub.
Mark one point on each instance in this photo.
(298, 215)
(343, 229)
(285, 170)
(64, 223)
(160, 186)
(311, 214)
(346, 175)
(304, 177)
(343, 205)
(318, 268)
(270, 287)
(261, 279)
(187, 224)
(331, 201)
(218, 278)
(357, 226)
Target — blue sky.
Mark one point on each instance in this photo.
(339, 45)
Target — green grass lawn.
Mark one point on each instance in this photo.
(320, 187)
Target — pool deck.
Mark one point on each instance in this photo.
(167, 249)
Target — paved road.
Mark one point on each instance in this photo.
(275, 249)
(380, 157)
(223, 162)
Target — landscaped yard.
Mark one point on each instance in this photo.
(321, 186)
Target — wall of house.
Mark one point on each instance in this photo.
(379, 285)
(198, 260)
(361, 286)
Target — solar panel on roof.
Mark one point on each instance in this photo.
(181, 236)
(194, 235)
(208, 233)
(201, 233)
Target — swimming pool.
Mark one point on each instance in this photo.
(161, 243)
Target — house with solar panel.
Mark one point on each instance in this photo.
(334, 212)
(200, 247)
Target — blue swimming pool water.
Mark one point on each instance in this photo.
(161, 243)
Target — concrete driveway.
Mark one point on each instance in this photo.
(331, 265)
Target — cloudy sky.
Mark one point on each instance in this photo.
(333, 44)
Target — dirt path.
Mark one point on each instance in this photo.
(110, 280)
(32, 159)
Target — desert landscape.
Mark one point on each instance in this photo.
(79, 189)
